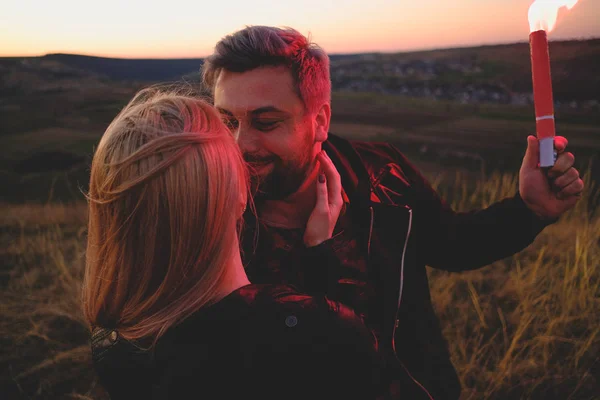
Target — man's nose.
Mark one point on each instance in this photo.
(247, 140)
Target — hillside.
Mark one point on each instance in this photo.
(131, 69)
(457, 108)
(496, 74)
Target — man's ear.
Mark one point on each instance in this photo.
(322, 123)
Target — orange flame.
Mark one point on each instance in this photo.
(543, 13)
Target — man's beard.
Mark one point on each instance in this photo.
(284, 180)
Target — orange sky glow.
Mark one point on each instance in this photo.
(186, 29)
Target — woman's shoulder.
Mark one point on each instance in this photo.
(266, 336)
(311, 339)
(282, 315)
(267, 320)
(282, 298)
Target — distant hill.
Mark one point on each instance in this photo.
(141, 70)
(484, 74)
(131, 69)
(496, 74)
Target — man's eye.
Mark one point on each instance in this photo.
(266, 125)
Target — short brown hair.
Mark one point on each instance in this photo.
(261, 46)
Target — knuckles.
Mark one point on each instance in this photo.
(568, 158)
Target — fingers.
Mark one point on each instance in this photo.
(531, 158)
(573, 189)
(565, 179)
(560, 143)
(322, 193)
(563, 163)
(334, 182)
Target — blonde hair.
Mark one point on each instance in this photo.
(166, 186)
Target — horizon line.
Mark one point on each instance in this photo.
(420, 50)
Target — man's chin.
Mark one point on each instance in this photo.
(261, 171)
(263, 194)
(276, 185)
(273, 190)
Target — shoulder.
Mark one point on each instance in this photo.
(289, 298)
(314, 324)
(313, 339)
(278, 338)
(284, 310)
(286, 306)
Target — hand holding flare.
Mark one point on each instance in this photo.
(542, 18)
(547, 198)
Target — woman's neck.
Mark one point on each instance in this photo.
(235, 274)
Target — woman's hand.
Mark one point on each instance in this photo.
(322, 221)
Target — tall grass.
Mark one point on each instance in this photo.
(44, 351)
(525, 327)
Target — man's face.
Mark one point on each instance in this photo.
(268, 119)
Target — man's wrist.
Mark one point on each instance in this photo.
(536, 212)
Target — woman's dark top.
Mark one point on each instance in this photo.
(261, 341)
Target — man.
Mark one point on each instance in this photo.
(272, 87)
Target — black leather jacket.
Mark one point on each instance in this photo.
(261, 341)
(404, 226)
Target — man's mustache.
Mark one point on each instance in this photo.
(253, 159)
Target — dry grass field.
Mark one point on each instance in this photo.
(527, 327)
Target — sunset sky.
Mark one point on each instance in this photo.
(184, 29)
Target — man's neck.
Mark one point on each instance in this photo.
(292, 212)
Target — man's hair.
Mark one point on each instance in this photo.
(262, 46)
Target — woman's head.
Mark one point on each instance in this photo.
(167, 188)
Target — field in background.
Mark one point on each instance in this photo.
(46, 157)
(53, 109)
(526, 327)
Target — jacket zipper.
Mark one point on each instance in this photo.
(396, 323)
(370, 233)
(402, 277)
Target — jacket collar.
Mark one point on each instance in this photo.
(356, 180)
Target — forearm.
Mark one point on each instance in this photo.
(461, 241)
(464, 241)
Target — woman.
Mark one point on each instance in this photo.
(171, 309)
